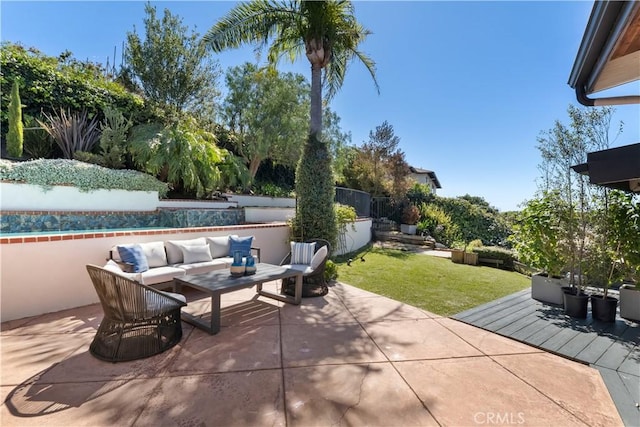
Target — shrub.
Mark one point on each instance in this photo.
(182, 154)
(438, 225)
(330, 271)
(37, 142)
(315, 215)
(272, 190)
(84, 176)
(113, 138)
(15, 137)
(72, 131)
(49, 83)
(410, 215)
(494, 252)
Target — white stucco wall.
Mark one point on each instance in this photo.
(267, 215)
(42, 277)
(357, 238)
(26, 197)
(261, 201)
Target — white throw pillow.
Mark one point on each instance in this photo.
(154, 251)
(174, 251)
(219, 245)
(302, 253)
(193, 254)
(318, 257)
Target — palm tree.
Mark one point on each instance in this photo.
(329, 35)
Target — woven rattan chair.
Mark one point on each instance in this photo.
(138, 322)
(313, 282)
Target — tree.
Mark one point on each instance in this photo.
(329, 35)
(338, 142)
(173, 69)
(267, 112)
(379, 166)
(562, 147)
(15, 137)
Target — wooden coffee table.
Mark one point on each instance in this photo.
(219, 282)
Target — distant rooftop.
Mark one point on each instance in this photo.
(431, 174)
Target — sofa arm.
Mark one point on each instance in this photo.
(256, 253)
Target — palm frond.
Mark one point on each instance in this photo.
(254, 22)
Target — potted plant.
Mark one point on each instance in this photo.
(410, 218)
(619, 235)
(537, 240)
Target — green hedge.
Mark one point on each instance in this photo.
(495, 252)
(84, 176)
(49, 83)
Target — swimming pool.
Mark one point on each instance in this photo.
(41, 223)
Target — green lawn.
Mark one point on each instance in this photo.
(431, 283)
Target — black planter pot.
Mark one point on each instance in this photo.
(575, 305)
(604, 309)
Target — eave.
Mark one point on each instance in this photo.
(614, 168)
(609, 54)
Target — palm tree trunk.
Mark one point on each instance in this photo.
(315, 125)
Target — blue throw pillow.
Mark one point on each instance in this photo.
(242, 244)
(133, 254)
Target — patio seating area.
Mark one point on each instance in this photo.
(348, 358)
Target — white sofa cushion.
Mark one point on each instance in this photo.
(160, 274)
(219, 245)
(196, 253)
(305, 269)
(154, 251)
(174, 250)
(202, 267)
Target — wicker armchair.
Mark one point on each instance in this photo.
(138, 322)
(313, 281)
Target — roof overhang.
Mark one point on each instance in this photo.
(609, 54)
(614, 168)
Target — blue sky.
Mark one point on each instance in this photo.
(467, 86)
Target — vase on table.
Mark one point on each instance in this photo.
(250, 265)
(237, 266)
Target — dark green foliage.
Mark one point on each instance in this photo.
(183, 155)
(173, 69)
(49, 84)
(438, 224)
(315, 216)
(37, 142)
(495, 252)
(15, 137)
(473, 216)
(113, 140)
(268, 112)
(275, 174)
(538, 234)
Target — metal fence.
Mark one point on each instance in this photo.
(383, 207)
(360, 200)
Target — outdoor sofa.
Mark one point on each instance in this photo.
(158, 263)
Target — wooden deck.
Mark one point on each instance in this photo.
(612, 348)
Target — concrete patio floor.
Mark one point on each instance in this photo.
(349, 358)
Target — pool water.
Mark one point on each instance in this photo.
(39, 223)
